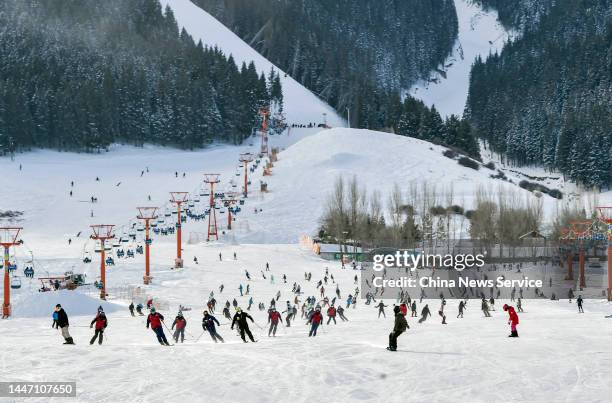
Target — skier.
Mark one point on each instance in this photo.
(101, 323)
(399, 327)
(241, 318)
(139, 309)
(226, 313)
(513, 320)
(62, 323)
(180, 322)
(519, 305)
(315, 321)
(381, 309)
(485, 307)
(155, 320)
(208, 324)
(579, 302)
(441, 311)
(331, 315)
(461, 308)
(413, 309)
(240, 289)
(273, 318)
(131, 308)
(424, 314)
(340, 312)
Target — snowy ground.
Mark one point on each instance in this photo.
(479, 34)
(560, 356)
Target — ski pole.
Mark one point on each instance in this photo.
(202, 334)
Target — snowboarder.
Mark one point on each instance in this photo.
(381, 309)
(180, 322)
(579, 302)
(273, 318)
(425, 312)
(101, 323)
(241, 318)
(399, 327)
(513, 320)
(155, 320)
(62, 323)
(208, 324)
(315, 321)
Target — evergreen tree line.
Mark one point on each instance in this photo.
(357, 55)
(547, 98)
(81, 74)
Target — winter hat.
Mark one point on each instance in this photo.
(152, 309)
(396, 309)
(505, 307)
(238, 309)
(58, 306)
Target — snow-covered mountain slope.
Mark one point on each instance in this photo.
(301, 105)
(305, 174)
(479, 34)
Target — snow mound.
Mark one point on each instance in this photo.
(301, 105)
(305, 173)
(37, 305)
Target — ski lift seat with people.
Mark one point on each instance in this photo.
(15, 283)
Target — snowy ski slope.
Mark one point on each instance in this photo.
(301, 105)
(479, 34)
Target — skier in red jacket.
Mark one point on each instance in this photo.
(101, 323)
(180, 324)
(513, 320)
(155, 320)
(273, 318)
(315, 321)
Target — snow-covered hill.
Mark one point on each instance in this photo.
(301, 105)
(479, 34)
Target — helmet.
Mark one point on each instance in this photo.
(180, 314)
(152, 309)
(205, 313)
(238, 310)
(506, 307)
(396, 309)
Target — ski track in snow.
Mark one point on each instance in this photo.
(301, 105)
(479, 34)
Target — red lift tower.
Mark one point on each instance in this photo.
(102, 232)
(212, 180)
(582, 231)
(246, 158)
(229, 201)
(605, 214)
(8, 238)
(264, 113)
(147, 214)
(178, 198)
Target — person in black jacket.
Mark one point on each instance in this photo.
(399, 327)
(241, 318)
(62, 323)
(208, 324)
